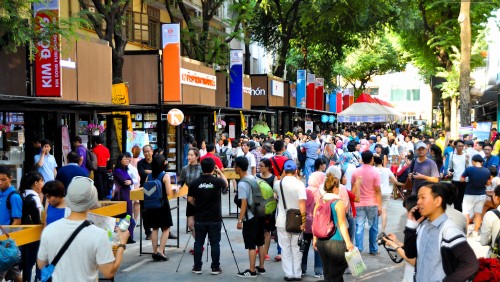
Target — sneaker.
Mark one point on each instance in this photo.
(277, 258)
(260, 270)
(247, 274)
(475, 234)
(216, 270)
(268, 258)
(318, 275)
(196, 270)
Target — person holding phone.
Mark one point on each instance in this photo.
(46, 163)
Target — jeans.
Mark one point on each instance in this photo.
(351, 229)
(332, 251)
(318, 266)
(213, 229)
(362, 214)
(308, 168)
(101, 182)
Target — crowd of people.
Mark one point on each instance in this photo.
(448, 186)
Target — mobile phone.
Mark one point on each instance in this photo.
(417, 214)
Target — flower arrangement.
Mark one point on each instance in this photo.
(489, 270)
(221, 123)
(4, 128)
(91, 128)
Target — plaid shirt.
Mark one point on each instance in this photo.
(258, 156)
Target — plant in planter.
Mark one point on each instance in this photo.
(95, 129)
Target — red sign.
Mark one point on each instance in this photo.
(48, 58)
(310, 91)
(320, 83)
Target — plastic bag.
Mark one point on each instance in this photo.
(355, 262)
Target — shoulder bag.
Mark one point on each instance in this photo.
(9, 252)
(293, 216)
(48, 270)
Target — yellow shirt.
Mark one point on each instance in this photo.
(440, 142)
(496, 148)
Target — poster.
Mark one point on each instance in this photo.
(464, 130)
(309, 127)
(139, 138)
(66, 144)
(482, 131)
(236, 79)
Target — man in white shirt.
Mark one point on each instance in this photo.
(91, 250)
(267, 151)
(294, 193)
(290, 148)
(459, 160)
(252, 166)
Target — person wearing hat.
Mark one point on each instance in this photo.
(422, 169)
(294, 191)
(475, 191)
(91, 250)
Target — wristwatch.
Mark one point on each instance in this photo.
(122, 246)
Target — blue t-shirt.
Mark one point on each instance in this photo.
(66, 173)
(491, 161)
(54, 214)
(47, 169)
(478, 176)
(311, 149)
(16, 203)
(427, 168)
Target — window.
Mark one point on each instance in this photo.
(400, 95)
(373, 91)
(144, 27)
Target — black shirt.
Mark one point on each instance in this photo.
(143, 165)
(206, 190)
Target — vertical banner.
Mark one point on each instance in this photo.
(170, 34)
(236, 79)
(333, 102)
(345, 99)
(66, 144)
(301, 88)
(310, 91)
(320, 85)
(48, 56)
(119, 96)
(351, 98)
(339, 102)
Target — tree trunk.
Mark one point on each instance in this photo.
(279, 71)
(248, 57)
(465, 50)
(446, 114)
(454, 123)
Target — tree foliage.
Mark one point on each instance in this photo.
(376, 56)
(17, 27)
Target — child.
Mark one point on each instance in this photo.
(55, 205)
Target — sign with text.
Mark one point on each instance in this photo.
(198, 79)
(301, 88)
(236, 79)
(309, 126)
(277, 88)
(48, 56)
(171, 61)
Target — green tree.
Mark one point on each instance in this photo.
(376, 56)
(17, 28)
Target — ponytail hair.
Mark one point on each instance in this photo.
(331, 182)
(28, 180)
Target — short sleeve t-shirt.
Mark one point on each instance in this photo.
(478, 176)
(82, 153)
(90, 248)
(280, 161)
(244, 192)
(385, 174)
(251, 162)
(370, 179)
(47, 169)
(311, 149)
(206, 190)
(427, 168)
(16, 203)
(294, 190)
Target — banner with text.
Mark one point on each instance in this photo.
(48, 56)
(301, 88)
(236, 79)
(171, 40)
(199, 79)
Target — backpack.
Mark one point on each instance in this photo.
(153, 192)
(263, 202)
(31, 214)
(323, 226)
(496, 244)
(91, 160)
(223, 157)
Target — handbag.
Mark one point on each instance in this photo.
(48, 270)
(9, 252)
(293, 216)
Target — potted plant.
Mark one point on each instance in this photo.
(95, 129)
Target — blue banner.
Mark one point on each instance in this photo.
(333, 102)
(301, 88)
(236, 79)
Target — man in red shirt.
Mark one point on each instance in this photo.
(211, 154)
(278, 160)
(101, 174)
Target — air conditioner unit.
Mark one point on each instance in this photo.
(92, 9)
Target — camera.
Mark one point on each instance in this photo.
(380, 240)
(302, 243)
